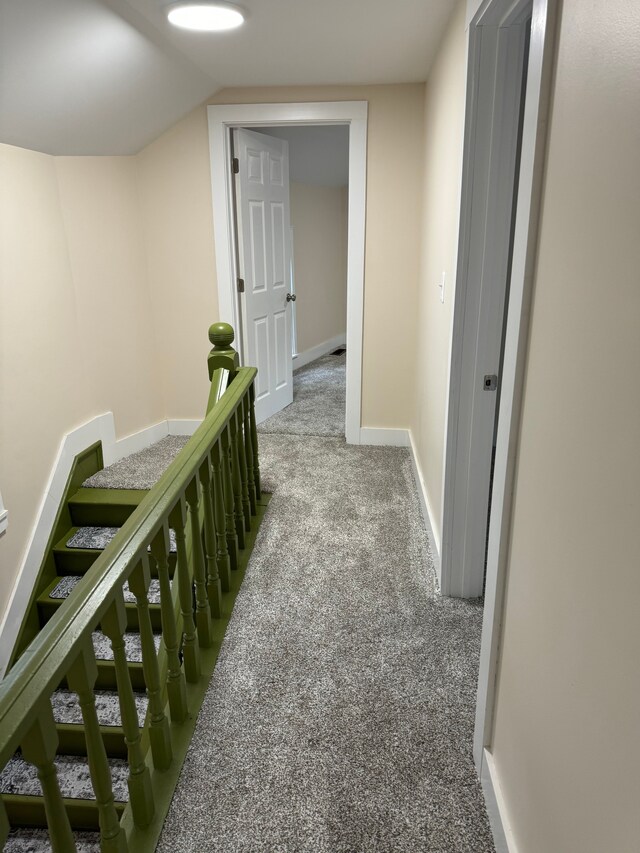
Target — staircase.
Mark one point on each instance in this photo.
(131, 604)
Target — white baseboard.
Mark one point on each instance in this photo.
(503, 838)
(308, 355)
(100, 428)
(427, 512)
(384, 437)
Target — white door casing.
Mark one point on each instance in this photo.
(264, 253)
(221, 118)
(491, 156)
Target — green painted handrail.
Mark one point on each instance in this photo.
(48, 659)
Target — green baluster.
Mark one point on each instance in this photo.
(227, 486)
(254, 440)
(214, 589)
(224, 563)
(81, 678)
(203, 610)
(242, 465)
(5, 827)
(190, 647)
(238, 513)
(176, 684)
(39, 748)
(114, 625)
(248, 451)
(159, 734)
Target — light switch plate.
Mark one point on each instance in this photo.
(441, 285)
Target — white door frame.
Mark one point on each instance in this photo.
(353, 113)
(482, 15)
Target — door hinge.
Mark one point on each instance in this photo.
(235, 165)
(240, 285)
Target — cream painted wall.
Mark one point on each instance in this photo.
(567, 736)
(444, 129)
(75, 331)
(319, 221)
(175, 197)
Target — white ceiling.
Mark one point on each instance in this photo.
(317, 155)
(108, 76)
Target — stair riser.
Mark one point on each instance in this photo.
(72, 740)
(48, 609)
(99, 515)
(107, 676)
(29, 811)
(75, 561)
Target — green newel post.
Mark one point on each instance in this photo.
(176, 684)
(39, 748)
(82, 677)
(114, 625)
(190, 647)
(223, 354)
(159, 733)
(222, 357)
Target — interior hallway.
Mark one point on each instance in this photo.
(340, 714)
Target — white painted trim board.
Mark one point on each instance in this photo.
(311, 354)
(503, 838)
(352, 113)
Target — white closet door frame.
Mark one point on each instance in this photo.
(222, 118)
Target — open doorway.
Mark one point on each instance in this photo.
(351, 119)
(306, 236)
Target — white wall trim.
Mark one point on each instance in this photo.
(4, 517)
(100, 428)
(503, 837)
(353, 113)
(384, 437)
(525, 241)
(427, 512)
(311, 354)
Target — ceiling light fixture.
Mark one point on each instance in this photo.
(205, 17)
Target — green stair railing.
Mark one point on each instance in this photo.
(208, 495)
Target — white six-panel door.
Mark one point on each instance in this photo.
(262, 203)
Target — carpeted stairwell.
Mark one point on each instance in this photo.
(126, 482)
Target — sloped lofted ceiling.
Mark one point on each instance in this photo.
(109, 76)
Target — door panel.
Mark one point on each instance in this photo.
(263, 213)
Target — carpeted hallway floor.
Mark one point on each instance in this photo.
(340, 715)
(319, 392)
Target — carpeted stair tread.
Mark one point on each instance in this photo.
(66, 709)
(319, 400)
(68, 583)
(132, 645)
(141, 470)
(97, 538)
(37, 841)
(20, 777)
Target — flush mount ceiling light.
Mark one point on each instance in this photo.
(206, 17)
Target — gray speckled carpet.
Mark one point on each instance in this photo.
(141, 470)
(319, 394)
(340, 715)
